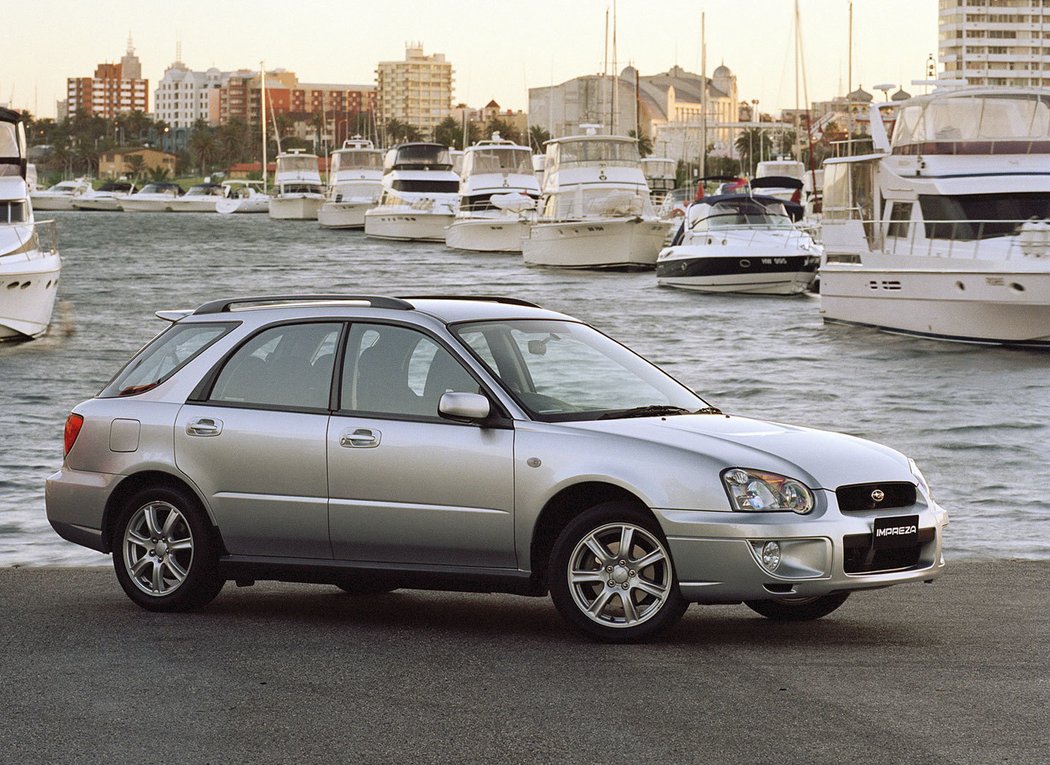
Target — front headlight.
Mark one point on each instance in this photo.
(753, 491)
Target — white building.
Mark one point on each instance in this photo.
(996, 42)
(416, 91)
(182, 97)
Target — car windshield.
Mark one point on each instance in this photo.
(563, 370)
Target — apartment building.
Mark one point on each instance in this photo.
(416, 91)
(183, 95)
(995, 42)
(114, 89)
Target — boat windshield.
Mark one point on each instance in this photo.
(970, 118)
(159, 188)
(306, 163)
(494, 160)
(598, 203)
(591, 152)
(659, 168)
(9, 140)
(563, 370)
(423, 155)
(205, 190)
(743, 213)
(357, 160)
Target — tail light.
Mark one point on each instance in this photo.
(74, 422)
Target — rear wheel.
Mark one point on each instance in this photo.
(611, 575)
(164, 551)
(798, 609)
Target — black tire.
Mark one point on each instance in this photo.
(609, 599)
(798, 609)
(165, 552)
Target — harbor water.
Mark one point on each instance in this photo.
(976, 419)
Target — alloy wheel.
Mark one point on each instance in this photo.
(158, 548)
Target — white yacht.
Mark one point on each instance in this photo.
(60, 196)
(106, 197)
(29, 261)
(945, 231)
(420, 194)
(300, 192)
(497, 189)
(242, 197)
(740, 243)
(201, 197)
(153, 197)
(595, 211)
(355, 181)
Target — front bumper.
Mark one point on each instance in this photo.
(717, 555)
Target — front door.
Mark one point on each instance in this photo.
(406, 486)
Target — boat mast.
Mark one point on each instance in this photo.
(703, 97)
(262, 120)
(615, 82)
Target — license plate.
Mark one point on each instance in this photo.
(897, 531)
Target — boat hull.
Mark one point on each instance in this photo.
(405, 226)
(993, 306)
(52, 202)
(28, 288)
(204, 205)
(295, 207)
(701, 270)
(486, 234)
(343, 214)
(146, 205)
(103, 204)
(627, 243)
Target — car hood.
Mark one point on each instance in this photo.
(822, 459)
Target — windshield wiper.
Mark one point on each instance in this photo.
(646, 411)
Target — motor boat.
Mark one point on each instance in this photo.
(420, 194)
(595, 210)
(943, 231)
(29, 260)
(60, 196)
(201, 197)
(740, 243)
(153, 197)
(240, 197)
(660, 173)
(106, 197)
(497, 190)
(355, 181)
(300, 192)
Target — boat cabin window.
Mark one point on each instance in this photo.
(987, 117)
(426, 186)
(303, 164)
(14, 211)
(357, 160)
(9, 147)
(584, 153)
(498, 161)
(965, 217)
(598, 203)
(422, 156)
(900, 219)
(301, 188)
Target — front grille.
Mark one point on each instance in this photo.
(859, 496)
(861, 558)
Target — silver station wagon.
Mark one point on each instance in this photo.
(473, 444)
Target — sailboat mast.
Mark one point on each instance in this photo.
(703, 97)
(262, 120)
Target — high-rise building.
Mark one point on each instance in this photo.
(996, 42)
(416, 91)
(182, 95)
(114, 89)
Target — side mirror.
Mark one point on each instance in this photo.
(471, 407)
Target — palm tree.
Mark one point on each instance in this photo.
(645, 143)
(537, 137)
(203, 145)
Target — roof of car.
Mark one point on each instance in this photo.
(446, 308)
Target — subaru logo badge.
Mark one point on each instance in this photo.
(878, 495)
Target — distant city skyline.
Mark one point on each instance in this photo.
(498, 50)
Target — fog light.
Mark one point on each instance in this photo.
(771, 556)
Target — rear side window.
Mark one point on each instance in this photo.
(163, 357)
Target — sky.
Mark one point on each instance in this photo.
(498, 49)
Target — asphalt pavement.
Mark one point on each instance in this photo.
(953, 672)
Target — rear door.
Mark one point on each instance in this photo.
(255, 445)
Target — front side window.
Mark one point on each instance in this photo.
(289, 366)
(562, 370)
(159, 360)
(398, 371)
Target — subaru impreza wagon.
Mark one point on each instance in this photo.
(472, 444)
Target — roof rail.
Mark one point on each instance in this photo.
(483, 298)
(376, 301)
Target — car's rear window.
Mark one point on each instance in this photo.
(164, 356)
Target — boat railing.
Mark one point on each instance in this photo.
(617, 203)
(752, 236)
(38, 238)
(960, 239)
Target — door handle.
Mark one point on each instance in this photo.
(361, 438)
(204, 426)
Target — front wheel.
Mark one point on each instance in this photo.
(611, 575)
(164, 551)
(798, 609)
